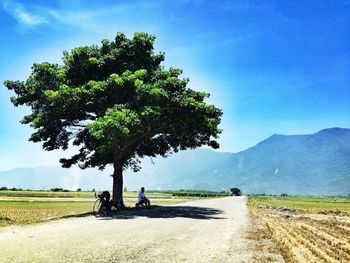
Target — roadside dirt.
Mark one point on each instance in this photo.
(308, 237)
(212, 230)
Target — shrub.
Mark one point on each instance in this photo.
(56, 189)
(235, 191)
(15, 189)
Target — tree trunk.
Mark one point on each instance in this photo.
(118, 184)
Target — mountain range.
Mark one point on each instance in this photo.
(313, 164)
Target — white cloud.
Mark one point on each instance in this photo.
(18, 11)
(122, 17)
(29, 19)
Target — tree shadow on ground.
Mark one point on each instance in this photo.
(193, 212)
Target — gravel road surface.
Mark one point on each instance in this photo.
(210, 230)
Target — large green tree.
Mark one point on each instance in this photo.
(117, 104)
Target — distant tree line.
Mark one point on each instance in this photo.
(305, 196)
(10, 189)
(55, 189)
(195, 193)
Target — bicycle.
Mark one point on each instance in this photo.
(97, 207)
(103, 205)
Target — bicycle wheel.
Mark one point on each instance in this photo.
(97, 208)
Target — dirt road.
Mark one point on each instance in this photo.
(200, 231)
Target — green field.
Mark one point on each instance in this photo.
(309, 204)
(25, 207)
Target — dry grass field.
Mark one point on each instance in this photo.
(305, 231)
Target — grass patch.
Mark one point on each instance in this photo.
(25, 212)
(308, 204)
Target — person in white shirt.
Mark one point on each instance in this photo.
(142, 199)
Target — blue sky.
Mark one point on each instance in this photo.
(272, 66)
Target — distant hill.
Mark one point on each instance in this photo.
(295, 164)
(299, 164)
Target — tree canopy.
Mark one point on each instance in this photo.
(116, 103)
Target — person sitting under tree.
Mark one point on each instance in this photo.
(142, 199)
(106, 201)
